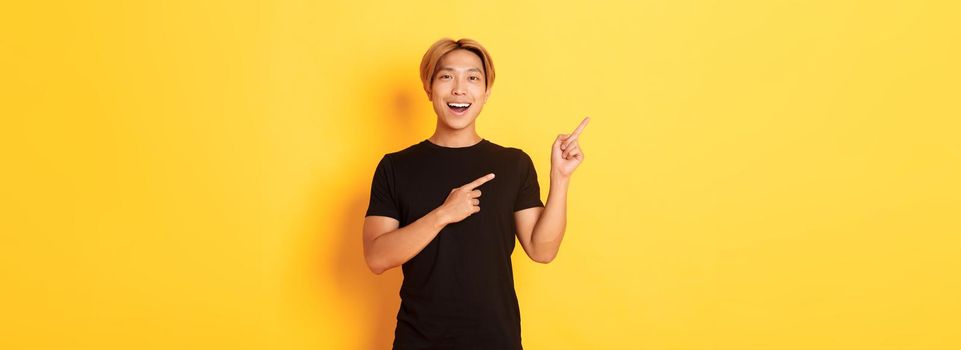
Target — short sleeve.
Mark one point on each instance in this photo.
(529, 193)
(383, 201)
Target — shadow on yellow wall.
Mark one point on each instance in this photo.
(374, 297)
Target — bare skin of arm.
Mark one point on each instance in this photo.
(386, 245)
(540, 230)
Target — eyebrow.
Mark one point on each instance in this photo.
(469, 69)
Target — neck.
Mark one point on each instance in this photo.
(455, 138)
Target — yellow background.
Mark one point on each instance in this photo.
(759, 174)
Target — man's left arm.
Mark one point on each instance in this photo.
(540, 230)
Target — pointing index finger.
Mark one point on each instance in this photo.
(476, 183)
(580, 128)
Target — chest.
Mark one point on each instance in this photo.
(426, 187)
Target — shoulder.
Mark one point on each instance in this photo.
(401, 155)
(514, 153)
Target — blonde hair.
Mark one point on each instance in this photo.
(428, 64)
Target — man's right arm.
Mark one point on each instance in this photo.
(387, 245)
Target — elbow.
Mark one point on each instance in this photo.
(542, 256)
(375, 262)
(545, 259)
(376, 270)
(376, 266)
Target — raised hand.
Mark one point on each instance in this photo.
(566, 154)
(463, 201)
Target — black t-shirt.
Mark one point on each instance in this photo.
(458, 292)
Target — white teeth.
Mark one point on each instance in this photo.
(459, 104)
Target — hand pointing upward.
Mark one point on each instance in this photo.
(566, 154)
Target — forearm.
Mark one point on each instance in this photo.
(549, 230)
(394, 248)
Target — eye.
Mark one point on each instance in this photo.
(475, 78)
(444, 76)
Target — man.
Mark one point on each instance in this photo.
(449, 207)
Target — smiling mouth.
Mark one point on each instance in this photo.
(458, 108)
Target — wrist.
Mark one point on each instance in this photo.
(439, 217)
(558, 178)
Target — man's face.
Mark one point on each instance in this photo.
(459, 89)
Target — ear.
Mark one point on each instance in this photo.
(487, 94)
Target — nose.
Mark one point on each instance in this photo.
(458, 88)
